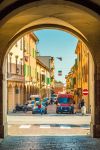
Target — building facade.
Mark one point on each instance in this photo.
(15, 76)
(48, 61)
(21, 70)
(27, 73)
(43, 79)
(30, 72)
(78, 78)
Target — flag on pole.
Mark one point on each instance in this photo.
(60, 58)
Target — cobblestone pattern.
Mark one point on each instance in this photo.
(50, 143)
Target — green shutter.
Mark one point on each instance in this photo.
(28, 70)
(25, 69)
(48, 81)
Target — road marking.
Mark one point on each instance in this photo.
(65, 127)
(44, 126)
(25, 126)
(86, 128)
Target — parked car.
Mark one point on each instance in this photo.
(18, 108)
(28, 106)
(35, 97)
(64, 104)
(37, 110)
(30, 103)
(46, 100)
(53, 98)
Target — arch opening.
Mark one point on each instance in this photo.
(81, 28)
(30, 88)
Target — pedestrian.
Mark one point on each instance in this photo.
(40, 107)
(83, 110)
(83, 107)
(82, 103)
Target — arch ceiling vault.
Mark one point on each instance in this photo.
(81, 18)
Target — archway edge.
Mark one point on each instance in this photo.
(45, 26)
(16, 7)
(27, 6)
(92, 33)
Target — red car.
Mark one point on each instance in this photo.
(65, 104)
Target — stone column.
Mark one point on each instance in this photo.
(95, 124)
(1, 106)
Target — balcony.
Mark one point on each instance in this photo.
(15, 77)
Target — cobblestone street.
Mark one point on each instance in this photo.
(50, 143)
(48, 132)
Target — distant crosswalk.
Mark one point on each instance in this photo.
(25, 126)
(45, 126)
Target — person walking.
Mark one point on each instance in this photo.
(82, 103)
(40, 107)
(83, 107)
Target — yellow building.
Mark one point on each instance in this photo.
(30, 72)
(21, 70)
(78, 78)
(68, 78)
(43, 79)
(52, 69)
(15, 76)
(48, 61)
(71, 80)
(82, 72)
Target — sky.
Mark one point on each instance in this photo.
(57, 43)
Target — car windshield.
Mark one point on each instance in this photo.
(63, 100)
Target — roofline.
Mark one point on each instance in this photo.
(43, 65)
(34, 37)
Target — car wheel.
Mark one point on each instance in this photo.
(24, 109)
(71, 112)
(57, 112)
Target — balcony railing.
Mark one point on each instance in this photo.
(15, 77)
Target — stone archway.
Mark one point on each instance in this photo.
(80, 19)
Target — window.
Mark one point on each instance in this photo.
(25, 69)
(43, 78)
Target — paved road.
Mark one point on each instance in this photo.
(49, 132)
(49, 124)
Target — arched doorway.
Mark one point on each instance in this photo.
(64, 15)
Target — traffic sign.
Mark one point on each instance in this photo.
(85, 91)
